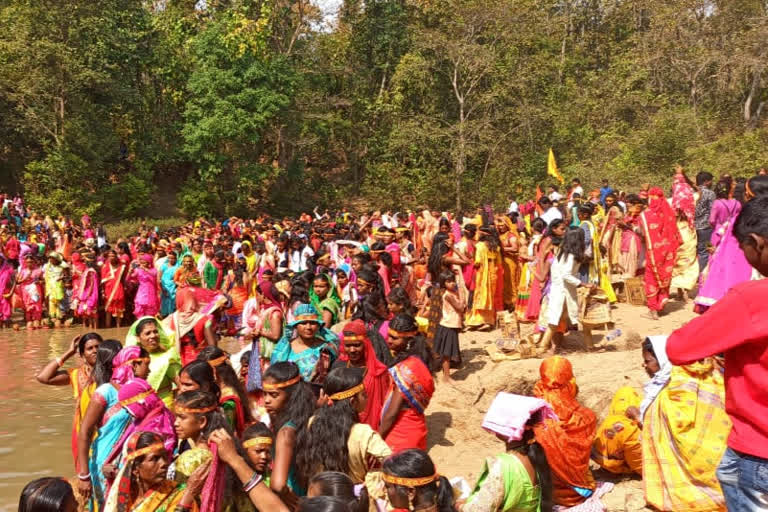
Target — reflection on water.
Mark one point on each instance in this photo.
(35, 420)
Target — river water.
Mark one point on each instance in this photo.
(35, 420)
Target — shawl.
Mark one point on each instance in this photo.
(682, 198)
(330, 299)
(412, 379)
(122, 364)
(159, 362)
(659, 380)
(149, 414)
(567, 442)
(509, 413)
(376, 380)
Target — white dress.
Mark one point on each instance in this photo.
(562, 292)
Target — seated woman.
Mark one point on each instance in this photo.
(141, 485)
(617, 447)
(233, 399)
(413, 483)
(313, 350)
(403, 423)
(518, 479)
(334, 439)
(357, 352)
(684, 433)
(164, 359)
(567, 441)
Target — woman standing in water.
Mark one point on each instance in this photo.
(80, 377)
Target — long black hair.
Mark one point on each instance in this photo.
(85, 338)
(324, 504)
(202, 374)
(340, 485)
(414, 463)
(399, 296)
(301, 401)
(102, 370)
(48, 494)
(573, 243)
(323, 444)
(228, 377)
(439, 249)
(535, 453)
(490, 236)
(384, 256)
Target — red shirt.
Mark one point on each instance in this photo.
(738, 325)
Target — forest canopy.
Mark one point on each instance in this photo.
(230, 107)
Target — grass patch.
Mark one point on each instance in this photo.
(130, 227)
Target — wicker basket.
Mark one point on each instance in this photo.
(635, 291)
(594, 308)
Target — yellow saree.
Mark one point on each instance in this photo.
(486, 273)
(617, 445)
(686, 271)
(684, 437)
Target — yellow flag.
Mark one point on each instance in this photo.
(552, 167)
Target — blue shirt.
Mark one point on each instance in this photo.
(604, 192)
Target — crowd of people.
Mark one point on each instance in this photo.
(343, 320)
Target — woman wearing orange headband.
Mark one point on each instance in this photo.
(413, 483)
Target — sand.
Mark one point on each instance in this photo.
(458, 444)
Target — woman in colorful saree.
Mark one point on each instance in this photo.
(510, 240)
(488, 267)
(684, 436)
(686, 271)
(187, 274)
(148, 414)
(141, 485)
(7, 284)
(146, 302)
(53, 273)
(164, 363)
(191, 330)
(85, 295)
(322, 294)
(80, 378)
(314, 349)
(567, 441)
(403, 423)
(610, 236)
(662, 239)
(233, 400)
(357, 352)
(618, 447)
(112, 273)
(106, 413)
(168, 285)
(520, 478)
(727, 265)
(29, 283)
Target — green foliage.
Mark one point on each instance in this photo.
(245, 105)
(132, 226)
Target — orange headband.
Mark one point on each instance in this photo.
(748, 190)
(266, 386)
(143, 451)
(343, 395)
(191, 410)
(403, 334)
(306, 318)
(353, 337)
(363, 281)
(409, 482)
(257, 441)
(137, 398)
(218, 361)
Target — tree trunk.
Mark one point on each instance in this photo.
(461, 157)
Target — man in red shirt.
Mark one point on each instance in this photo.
(737, 325)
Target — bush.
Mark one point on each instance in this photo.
(130, 227)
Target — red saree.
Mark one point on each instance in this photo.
(410, 378)
(662, 239)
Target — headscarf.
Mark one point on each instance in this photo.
(187, 314)
(509, 414)
(663, 237)
(682, 198)
(122, 364)
(147, 258)
(271, 301)
(332, 294)
(567, 442)
(149, 414)
(160, 361)
(659, 380)
(376, 380)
